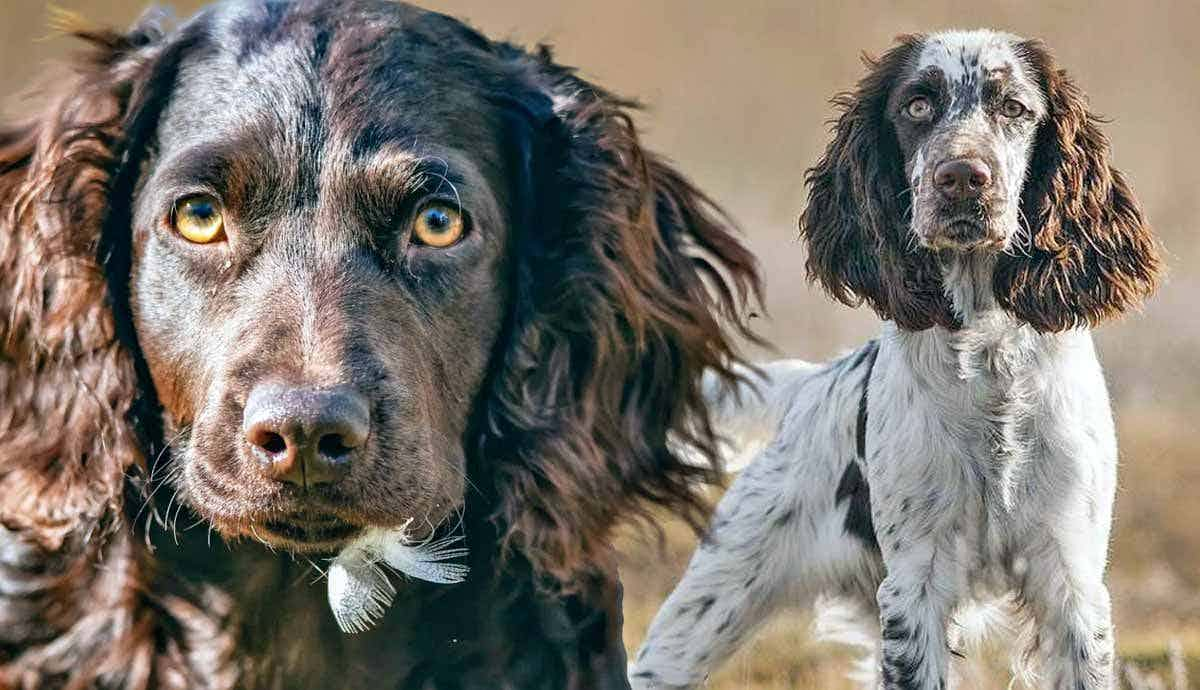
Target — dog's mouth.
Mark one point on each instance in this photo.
(314, 521)
(964, 234)
(308, 532)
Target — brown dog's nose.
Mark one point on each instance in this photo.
(962, 178)
(305, 436)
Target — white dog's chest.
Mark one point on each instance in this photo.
(957, 440)
(988, 460)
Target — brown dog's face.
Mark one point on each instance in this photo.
(320, 271)
(322, 266)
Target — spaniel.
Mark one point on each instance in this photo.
(968, 451)
(299, 279)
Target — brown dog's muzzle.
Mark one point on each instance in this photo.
(305, 436)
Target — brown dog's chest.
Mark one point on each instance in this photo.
(495, 631)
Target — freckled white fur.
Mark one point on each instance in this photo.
(746, 570)
(991, 458)
(949, 50)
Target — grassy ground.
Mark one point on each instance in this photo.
(1154, 578)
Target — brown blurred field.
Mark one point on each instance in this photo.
(736, 94)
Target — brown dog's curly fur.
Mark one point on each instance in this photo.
(69, 384)
(616, 290)
(1093, 255)
(626, 290)
(68, 387)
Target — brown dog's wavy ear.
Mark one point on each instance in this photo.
(856, 222)
(1092, 255)
(630, 284)
(66, 381)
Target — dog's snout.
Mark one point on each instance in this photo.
(305, 436)
(962, 178)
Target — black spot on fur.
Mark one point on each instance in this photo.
(894, 629)
(705, 604)
(848, 365)
(869, 353)
(853, 488)
(871, 350)
(902, 672)
(725, 624)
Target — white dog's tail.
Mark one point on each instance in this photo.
(746, 416)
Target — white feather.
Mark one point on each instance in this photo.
(360, 591)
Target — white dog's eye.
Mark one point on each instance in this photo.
(919, 108)
(1012, 109)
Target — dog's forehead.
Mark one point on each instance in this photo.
(362, 72)
(966, 55)
(967, 59)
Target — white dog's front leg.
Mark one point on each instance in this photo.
(918, 510)
(915, 602)
(1071, 611)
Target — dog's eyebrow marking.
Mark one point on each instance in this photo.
(963, 57)
(972, 61)
(235, 168)
(930, 80)
(375, 136)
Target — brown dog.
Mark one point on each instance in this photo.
(293, 271)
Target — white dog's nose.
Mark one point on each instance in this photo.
(962, 178)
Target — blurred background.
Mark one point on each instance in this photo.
(736, 94)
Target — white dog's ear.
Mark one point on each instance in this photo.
(1092, 256)
(856, 222)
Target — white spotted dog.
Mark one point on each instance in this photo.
(969, 451)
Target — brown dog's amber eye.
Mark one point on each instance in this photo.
(919, 108)
(438, 225)
(199, 219)
(1012, 108)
